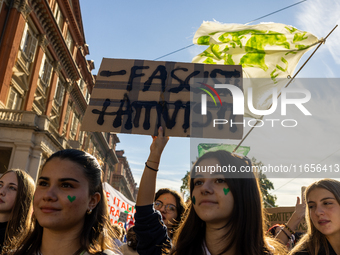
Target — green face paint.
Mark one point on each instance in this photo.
(193, 200)
(71, 198)
(226, 191)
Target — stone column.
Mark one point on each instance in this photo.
(34, 164)
(21, 155)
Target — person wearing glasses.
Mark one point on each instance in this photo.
(157, 215)
(171, 206)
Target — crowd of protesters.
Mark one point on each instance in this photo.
(66, 212)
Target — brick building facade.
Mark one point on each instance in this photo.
(45, 86)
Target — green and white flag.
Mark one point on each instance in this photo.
(267, 50)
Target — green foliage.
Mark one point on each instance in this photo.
(185, 189)
(265, 185)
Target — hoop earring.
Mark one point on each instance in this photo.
(89, 211)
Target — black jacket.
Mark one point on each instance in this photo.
(151, 231)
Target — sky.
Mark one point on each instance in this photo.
(150, 29)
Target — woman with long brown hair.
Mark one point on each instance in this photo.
(16, 194)
(323, 219)
(70, 209)
(172, 208)
(225, 215)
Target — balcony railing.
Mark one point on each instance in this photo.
(10, 116)
(23, 118)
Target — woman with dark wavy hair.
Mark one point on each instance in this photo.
(173, 214)
(225, 216)
(323, 219)
(226, 213)
(16, 194)
(70, 209)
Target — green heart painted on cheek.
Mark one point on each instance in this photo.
(193, 200)
(226, 191)
(71, 198)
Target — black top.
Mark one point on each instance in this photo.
(322, 250)
(151, 231)
(3, 226)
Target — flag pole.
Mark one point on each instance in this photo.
(323, 40)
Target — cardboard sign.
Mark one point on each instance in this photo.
(281, 215)
(138, 96)
(119, 206)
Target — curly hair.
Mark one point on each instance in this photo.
(180, 206)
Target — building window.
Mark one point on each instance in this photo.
(81, 137)
(59, 94)
(40, 95)
(57, 103)
(81, 84)
(67, 115)
(14, 99)
(69, 41)
(87, 96)
(45, 73)
(74, 125)
(58, 16)
(28, 44)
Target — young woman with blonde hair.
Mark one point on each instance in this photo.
(323, 220)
